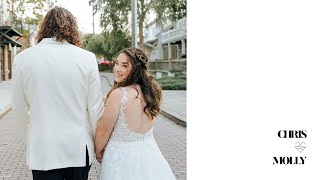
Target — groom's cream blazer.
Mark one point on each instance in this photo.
(57, 102)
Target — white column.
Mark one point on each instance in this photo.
(162, 51)
(169, 55)
(169, 51)
(160, 48)
(1, 62)
(5, 53)
(178, 51)
(183, 48)
(32, 43)
(14, 50)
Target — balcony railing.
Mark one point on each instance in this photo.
(182, 23)
(11, 21)
(17, 24)
(153, 55)
(173, 35)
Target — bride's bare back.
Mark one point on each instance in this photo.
(137, 120)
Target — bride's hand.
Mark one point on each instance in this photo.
(100, 156)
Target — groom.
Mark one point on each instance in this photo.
(57, 99)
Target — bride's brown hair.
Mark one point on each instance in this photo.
(60, 24)
(139, 75)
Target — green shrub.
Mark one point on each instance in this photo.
(104, 67)
(173, 83)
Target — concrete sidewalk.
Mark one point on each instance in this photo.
(173, 105)
(5, 97)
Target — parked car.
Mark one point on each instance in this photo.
(104, 65)
(104, 62)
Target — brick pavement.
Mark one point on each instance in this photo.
(170, 137)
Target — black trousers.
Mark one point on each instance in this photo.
(70, 173)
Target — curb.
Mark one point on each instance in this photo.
(176, 118)
(105, 76)
(5, 111)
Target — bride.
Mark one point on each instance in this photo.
(124, 142)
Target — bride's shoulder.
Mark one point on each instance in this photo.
(133, 90)
(116, 93)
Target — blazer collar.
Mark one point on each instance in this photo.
(52, 41)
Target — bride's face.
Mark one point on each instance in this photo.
(122, 68)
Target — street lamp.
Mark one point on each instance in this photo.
(93, 13)
(134, 42)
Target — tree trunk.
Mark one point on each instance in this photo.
(141, 33)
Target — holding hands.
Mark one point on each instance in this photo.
(99, 156)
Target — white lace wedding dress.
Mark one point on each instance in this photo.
(133, 156)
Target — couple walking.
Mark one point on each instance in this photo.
(57, 101)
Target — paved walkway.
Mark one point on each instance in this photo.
(5, 96)
(170, 137)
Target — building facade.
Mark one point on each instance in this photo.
(10, 32)
(166, 47)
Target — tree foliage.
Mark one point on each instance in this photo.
(31, 12)
(106, 45)
(170, 9)
(115, 13)
(95, 44)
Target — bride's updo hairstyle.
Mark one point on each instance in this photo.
(139, 75)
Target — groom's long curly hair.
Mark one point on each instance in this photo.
(60, 24)
(139, 75)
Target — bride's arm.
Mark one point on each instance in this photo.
(107, 121)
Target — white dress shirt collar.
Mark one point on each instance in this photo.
(52, 41)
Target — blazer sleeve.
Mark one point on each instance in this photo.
(20, 106)
(95, 104)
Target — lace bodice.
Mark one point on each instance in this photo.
(121, 132)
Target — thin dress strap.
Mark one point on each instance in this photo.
(124, 98)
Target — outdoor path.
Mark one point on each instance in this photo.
(5, 96)
(170, 137)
